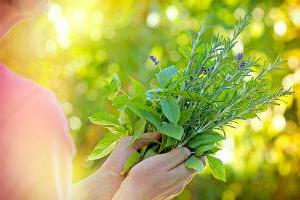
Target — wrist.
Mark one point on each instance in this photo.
(99, 186)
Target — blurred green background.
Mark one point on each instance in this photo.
(78, 45)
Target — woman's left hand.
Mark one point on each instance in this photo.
(106, 181)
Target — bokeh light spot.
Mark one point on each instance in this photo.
(239, 47)
(75, 123)
(239, 13)
(293, 62)
(279, 123)
(153, 19)
(172, 12)
(67, 107)
(258, 14)
(256, 29)
(280, 28)
(227, 153)
(295, 16)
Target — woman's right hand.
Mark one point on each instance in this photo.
(159, 177)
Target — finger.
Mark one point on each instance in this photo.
(124, 149)
(186, 173)
(183, 172)
(124, 144)
(146, 139)
(119, 155)
(171, 159)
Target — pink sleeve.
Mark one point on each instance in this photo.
(36, 151)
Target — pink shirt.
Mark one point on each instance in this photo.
(35, 148)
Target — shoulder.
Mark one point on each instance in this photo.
(33, 107)
(20, 93)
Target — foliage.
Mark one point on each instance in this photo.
(191, 106)
(78, 45)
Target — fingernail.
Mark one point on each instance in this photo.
(186, 151)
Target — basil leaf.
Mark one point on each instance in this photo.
(166, 75)
(132, 160)
(138, 88)
(138, 129)
(115, 83)
(171, 130)
(153, 94)
(194, 163)
(200, 150)
(171, 109)
(104, 119)
(205, 139)
(217, 168)
(146, 113)
(121, 101)
(151, 152)
(104, 147)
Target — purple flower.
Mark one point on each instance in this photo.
(242, 64)
(154, 60)
(239, 56)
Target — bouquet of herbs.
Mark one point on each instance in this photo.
(191, 105)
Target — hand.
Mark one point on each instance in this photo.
(106, 181)
(159, 177)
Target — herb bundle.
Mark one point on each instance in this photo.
(191, 106)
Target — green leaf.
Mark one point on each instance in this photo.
(212, 151)
(110, 90)
(194, 96)
(153, 94)
(123, 118)
(194, 163)
(217, 168)
(138, 129)
(104, 119)
(170, 142)
(139, 126)
(205, 139)
(146, 113)
(121, 101)
(166, 75)
(185, 116)
(100, 153)
(119, 131)
(138, 88)
(171, 130)
(132, 118)
(149, 153)
(200, 150)
(167, 142)
(171, 109)
(116, 83)
(104, 147)
(143, 151)
(132, 160)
